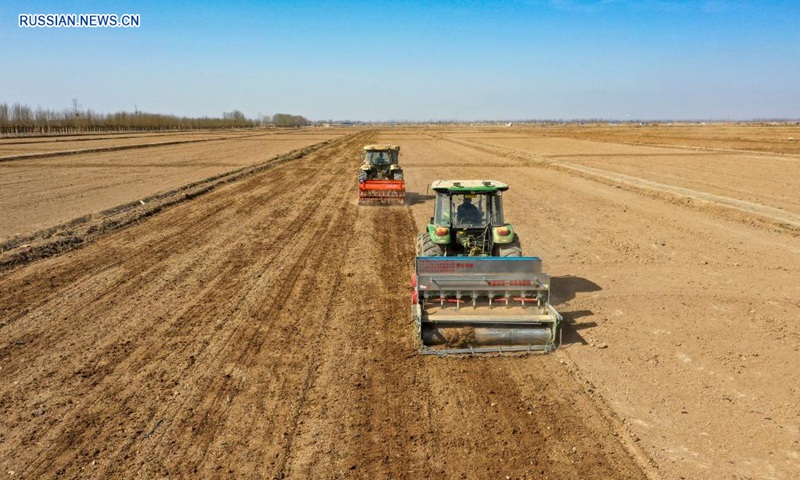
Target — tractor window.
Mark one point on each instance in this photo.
(470, 210)
(442, 211)
(497, 211)
(380, 158)
(487, 209)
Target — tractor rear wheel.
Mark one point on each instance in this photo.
(398, 175)
(426, 247)
(513, 249)
(362, 176)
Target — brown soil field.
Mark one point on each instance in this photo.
(782, 138)
(12, 148)
(43, 192)
(262, 329)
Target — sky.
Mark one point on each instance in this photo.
(414, 60)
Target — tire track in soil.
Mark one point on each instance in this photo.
(291, 340)
(295, 285)
(397, 414)
(359, 389)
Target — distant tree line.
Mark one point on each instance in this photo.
(286, 120)
(18, 119)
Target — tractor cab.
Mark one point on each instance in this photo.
(468, 210)
(468, 219)
(380, 155)
(381, 163)
(380, 178)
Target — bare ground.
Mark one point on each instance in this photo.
(263, 331)
(17, 148)
(38, 193)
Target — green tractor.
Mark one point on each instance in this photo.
(472, 290)
(468, 221)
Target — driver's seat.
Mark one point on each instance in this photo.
(469, 216)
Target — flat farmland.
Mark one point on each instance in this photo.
(11, 147)
(16, 148)
(262, 329)
(37, 193)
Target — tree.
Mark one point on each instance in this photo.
(287, 120)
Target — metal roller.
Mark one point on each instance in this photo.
(460, 337)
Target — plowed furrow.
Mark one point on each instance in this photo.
(238, 263)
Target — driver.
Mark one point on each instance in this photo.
(467, 212)
(380, 160)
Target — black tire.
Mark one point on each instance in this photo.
(426, 247)
(362, 176)
(513, 249)
(398, 175)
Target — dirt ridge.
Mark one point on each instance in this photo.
(75, 233)
(64, 153)
(745, 212)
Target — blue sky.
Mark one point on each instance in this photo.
(415, 60)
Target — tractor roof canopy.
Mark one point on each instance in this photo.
(382, 148)
(468, 186)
